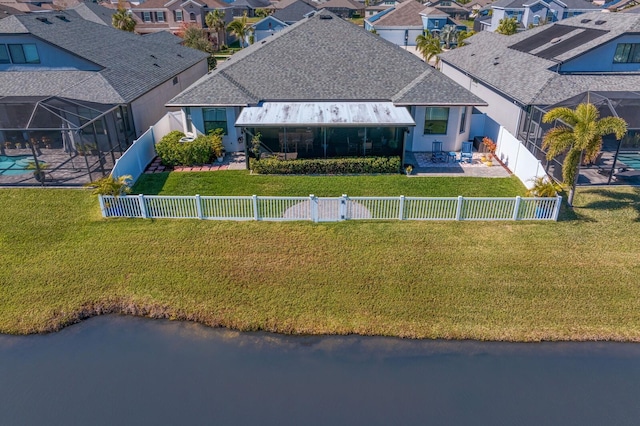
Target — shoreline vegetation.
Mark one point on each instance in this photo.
(577, 279)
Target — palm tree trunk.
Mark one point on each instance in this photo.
(572, 190)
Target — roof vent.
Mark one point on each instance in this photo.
(584, 21)
(599, 22)
(62, 18)
(156, 65)
(495, 62)
(179, 55)
(326, 17)
(555, 40)
(154, 57)
(44, 20)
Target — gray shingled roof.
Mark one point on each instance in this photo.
(310, 61)
(519, 4)
(530, 79)
(131, 65)
(294, 12)
(95, 12)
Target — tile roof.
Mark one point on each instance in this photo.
(530, 79)
(405, 14)
(131, 65)
(310, 61)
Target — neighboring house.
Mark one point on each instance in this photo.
(434, 20)
(455, 10)
(95, 12)
(522, 74)
(240, 7)
(620, 6)
(295, 12)
(530, 14)
(634, 9)
(400, 24)
(377, 7)
(343, 8)
(68, 83)
(310, 94)
(474, 6)
(171, 15)
(8, 11)
(267, 27)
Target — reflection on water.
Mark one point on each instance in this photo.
(123, 370)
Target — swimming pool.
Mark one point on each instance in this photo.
(15, 165)
(630, 159)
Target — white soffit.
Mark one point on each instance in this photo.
(330, 114)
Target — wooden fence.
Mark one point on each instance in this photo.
(329, 209)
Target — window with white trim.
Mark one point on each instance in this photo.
(214, 118)
(160, 16)
(436, 120)
(178, 16)
(146, 16)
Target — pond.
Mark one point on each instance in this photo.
(123, 370)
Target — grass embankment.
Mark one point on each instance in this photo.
(577, 279)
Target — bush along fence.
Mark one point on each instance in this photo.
(329, 209)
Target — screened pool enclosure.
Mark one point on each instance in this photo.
(60, 141)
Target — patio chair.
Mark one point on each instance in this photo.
(437, 154)
(467, 152)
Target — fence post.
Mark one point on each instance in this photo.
(102, 209)
(516, 207)
(401, 208)
(313, 204)
(254, 199)
(343, 207)
(198, 206)
(143, 209)
(556, 212)
(459, 208)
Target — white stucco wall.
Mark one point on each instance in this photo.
(396, 35)
(149, 108)
(501, 109)
(417, 141)
(230, 140)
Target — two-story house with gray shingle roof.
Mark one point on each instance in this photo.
(530, 13)
(68, 83)
(308, 92)
(593, 56)
(400, 24)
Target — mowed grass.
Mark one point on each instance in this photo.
(577, 279)
(242, 183)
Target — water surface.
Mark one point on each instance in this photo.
(123, 370)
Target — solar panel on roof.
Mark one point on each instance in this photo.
(542, 38)
(571, 43)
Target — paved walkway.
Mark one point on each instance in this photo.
(423, 166)
(232, 161)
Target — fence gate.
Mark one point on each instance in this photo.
(330, 209)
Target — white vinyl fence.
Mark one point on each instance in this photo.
(143, 150)
(518, 158)
(329, 209)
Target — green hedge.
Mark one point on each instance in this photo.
(354, 165)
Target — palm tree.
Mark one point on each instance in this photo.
(215, 22)
(429, 46)
(581, 136)
(463, 36)
(507, 26)
(240, 28)
(122, 19)
(449, 35)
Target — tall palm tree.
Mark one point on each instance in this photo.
(240, 28)
(215, 22)
(449, 35)
(122, 19)
(429, 46)
(580, 137)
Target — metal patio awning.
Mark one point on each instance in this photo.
(329, 114)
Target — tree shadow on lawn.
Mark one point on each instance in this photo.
(611, 200)
(150, 184)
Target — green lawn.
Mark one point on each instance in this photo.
(574, 279)
(242, 183)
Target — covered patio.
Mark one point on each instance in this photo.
(327, 129)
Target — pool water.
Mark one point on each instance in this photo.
(630, 159)
(15, 165)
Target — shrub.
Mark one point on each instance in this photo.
(201, 150)
(169, 148)
(355, 165)
(109, 185)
